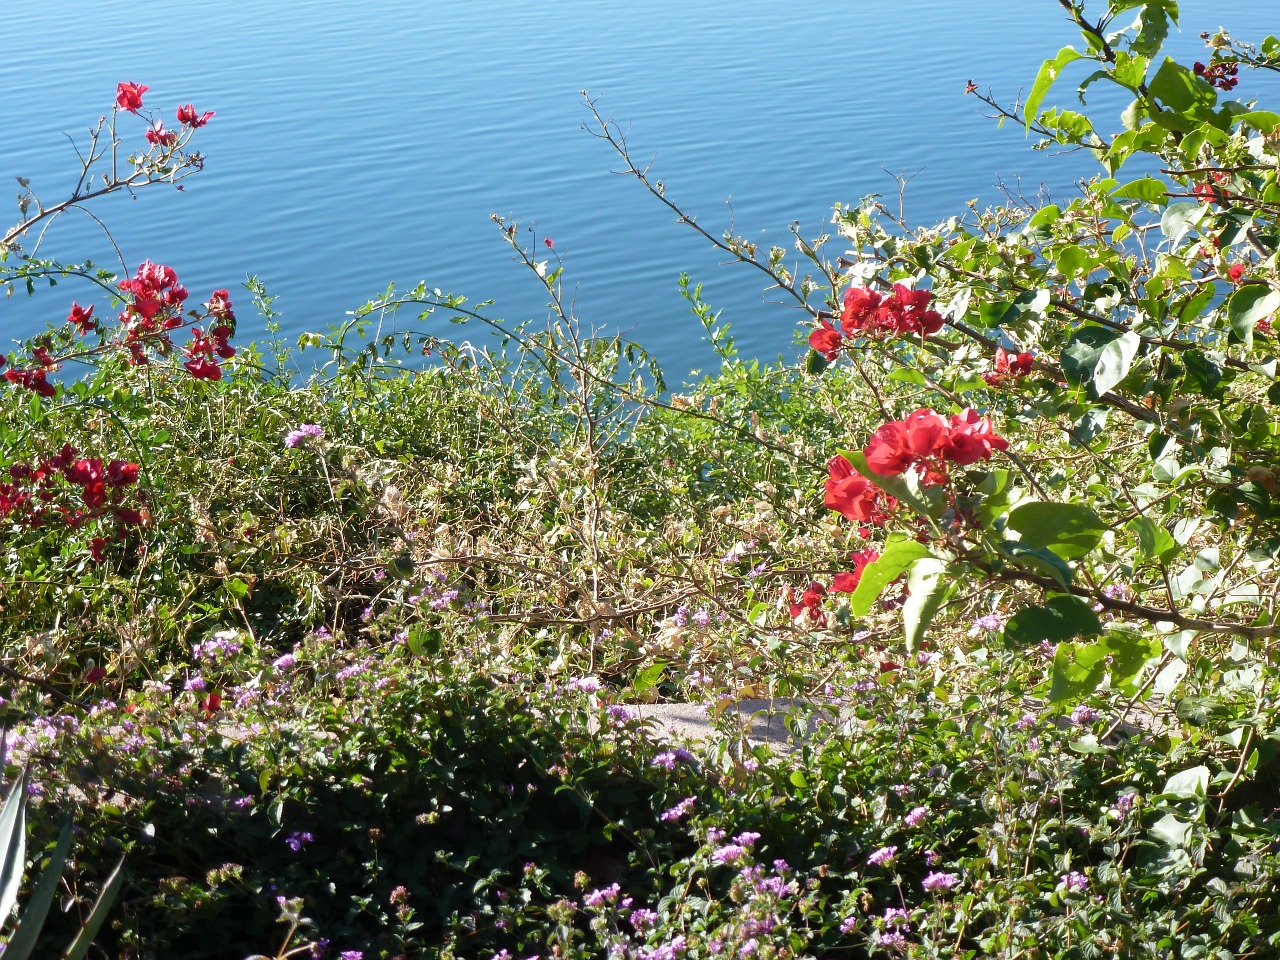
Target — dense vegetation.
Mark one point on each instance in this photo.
(351, 666)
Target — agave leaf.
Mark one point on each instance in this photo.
(84, 939)
(33, 916)
(13, 840)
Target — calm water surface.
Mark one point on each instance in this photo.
(359, 144)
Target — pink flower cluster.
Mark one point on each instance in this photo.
(867, 313)
(927, 442)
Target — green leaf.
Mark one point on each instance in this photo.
(896, 559)
(1060, 618)
(815, 363)
(1153, 30)
(926, 501)
(1178, 218)
(1049, 72)
(84, 939)
(927, 589)
(1078, 669)
(1114, 361)
(1264, 121)
(1204, 373)
(1190, 100)
(13, 840)
(1248, 305)
(36, 909)
(1083, 351)
(1188, 784)
(1039, 560)
(1171, 831)
(1147, 189)
(1069, 530)
(1155, 542)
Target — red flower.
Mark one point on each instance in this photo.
(855, 497)
(129, 96)
(188, 117)
(848, 582)
(859, 309)
(203, 368)
(971, 439)
(810, 604)
(826, 340)
(95, 675)
(549, 243)
(82, 317)
(219, 306)
(36, 380)
(96, 547)
(120, 473)
(1235, 272)
(158, 135)
(211, 704)
(901, 443)
(1008, 366)
(970, 87)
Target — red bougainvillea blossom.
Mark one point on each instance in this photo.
(1235, 272)
(809, 605)
(847, 581)
(855, 497)
(82, 318)
(926, 442)
(867, 313)
(71, 491)
(1008, 366)
(129, 96)
(188, 117)
(904, 311)
(826, 340)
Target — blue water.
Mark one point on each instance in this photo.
(355, 145)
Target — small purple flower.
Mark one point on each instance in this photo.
(991, 622)
(883, 857)
(848, 925)
(351, 955)
(598, 898)
(196, 684)
(939, 882)
(916, 816)
(1082, 715)
(1125, 804)
(1075, 881)
(304, 432)
(679, 810)
(1027, 720)
(892, 941)
(296, 841)
(643, 919)
(586, 684)
(747, 839)
(701, 618)
(897, 918)
(730, 854)
(621, 714)
(281, 664)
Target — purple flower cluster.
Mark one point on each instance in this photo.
(296, 841)
(306, 431)
(939, 882)
(679, 810)
(883, 857)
